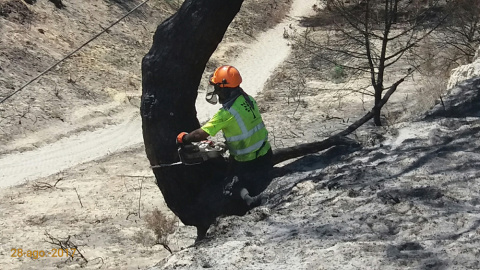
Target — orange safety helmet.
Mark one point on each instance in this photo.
(226, 76)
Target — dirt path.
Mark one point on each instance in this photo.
(256, 64)
(261, 58)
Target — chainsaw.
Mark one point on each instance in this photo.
(197, 153)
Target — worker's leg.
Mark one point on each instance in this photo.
(255, 175)
(249, 200)
(250, 180)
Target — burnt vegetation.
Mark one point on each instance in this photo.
(16, 11)
(386, 42)
(406, 12)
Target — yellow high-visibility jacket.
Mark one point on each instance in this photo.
(243, 129)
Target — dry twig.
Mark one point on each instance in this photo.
(66, 245)
(45, 185)
(78, 196)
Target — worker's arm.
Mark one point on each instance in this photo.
(195, 136)
(211, 128)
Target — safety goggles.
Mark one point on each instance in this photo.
(211, 96)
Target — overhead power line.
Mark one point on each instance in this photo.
(73, 52)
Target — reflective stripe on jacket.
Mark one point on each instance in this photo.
(249, 135)
(243, 129)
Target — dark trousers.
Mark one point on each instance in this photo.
(254, 175)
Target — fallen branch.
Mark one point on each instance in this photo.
(45, 185)
(129, 214)
(340, 138)
(165, 246)
(134, 176)
(283, 154)
(66, 245)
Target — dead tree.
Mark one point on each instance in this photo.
(337, 139)
(369, 38)
(171, 74)
(462, 30)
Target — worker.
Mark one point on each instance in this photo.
(245, 134)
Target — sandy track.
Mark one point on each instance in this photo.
(68, 152)
(256, 64)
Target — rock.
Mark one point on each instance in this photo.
(303, 188)
(462, 101)
(465, 72)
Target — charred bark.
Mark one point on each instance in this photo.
(283, 154)
(171, 73)
(172, 70)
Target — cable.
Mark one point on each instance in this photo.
(72, 53)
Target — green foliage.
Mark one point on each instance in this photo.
(338, 74)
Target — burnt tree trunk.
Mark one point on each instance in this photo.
(171, 73)
(172, 70)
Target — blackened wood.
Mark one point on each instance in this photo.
(172, 70)
(171, 74)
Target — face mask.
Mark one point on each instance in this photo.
(211, 96)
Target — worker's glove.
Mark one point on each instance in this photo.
(181, 138)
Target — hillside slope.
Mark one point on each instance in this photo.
(100, 83)
(410, 201)
(100, 205)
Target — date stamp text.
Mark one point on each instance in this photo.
(35, 254)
